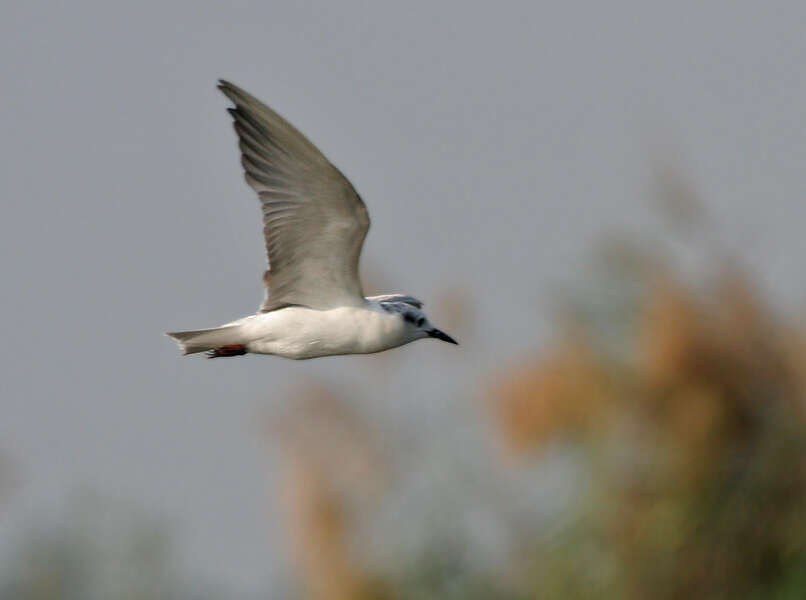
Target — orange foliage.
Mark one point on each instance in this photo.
(715, 385)
(564, 392)
(331, 471)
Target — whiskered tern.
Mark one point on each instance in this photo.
(314, 225)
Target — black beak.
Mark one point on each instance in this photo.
(440, 335)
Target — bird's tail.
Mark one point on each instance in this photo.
(200, 340)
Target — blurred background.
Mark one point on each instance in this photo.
(604, 204)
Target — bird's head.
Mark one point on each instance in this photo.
(418, 326)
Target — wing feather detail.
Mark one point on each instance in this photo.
(314, 222)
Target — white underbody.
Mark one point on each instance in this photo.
(299, 333)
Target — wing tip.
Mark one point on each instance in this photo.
(235, 94)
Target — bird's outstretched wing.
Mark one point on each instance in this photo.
(314, 222)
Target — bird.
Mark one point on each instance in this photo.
(314, 225)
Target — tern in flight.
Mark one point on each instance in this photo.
(314, 224)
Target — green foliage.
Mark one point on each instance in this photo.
(97, 550)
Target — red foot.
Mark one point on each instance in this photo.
(231, 350)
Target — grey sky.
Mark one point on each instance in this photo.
(492, 144)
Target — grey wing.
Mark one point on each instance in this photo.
(314, 222)
(391, 298)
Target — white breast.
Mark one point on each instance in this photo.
(299, 333)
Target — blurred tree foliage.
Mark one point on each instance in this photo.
(100, 549)
(689, 416)
(695, 443)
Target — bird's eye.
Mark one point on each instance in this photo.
(420, 322)
(408, 317)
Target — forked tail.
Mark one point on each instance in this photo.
(199, 340)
